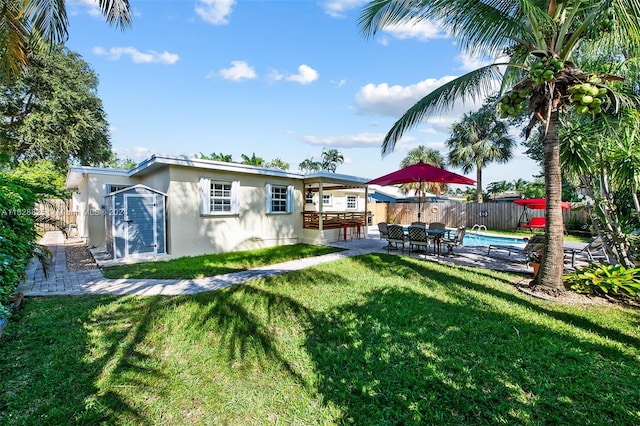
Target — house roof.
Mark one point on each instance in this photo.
(394, 192)
(138, 186)
(76, 173)
(157, 161)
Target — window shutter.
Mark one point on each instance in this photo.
(290, 199)
(235, 197)
(205, 195)
(268, 197)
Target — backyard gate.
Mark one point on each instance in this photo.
(135, 222)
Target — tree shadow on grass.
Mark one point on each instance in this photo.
(62, 369)
(393, 265)
(398, 355)
(419, 343)
(403, 358)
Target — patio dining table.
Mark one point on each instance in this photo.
(437, 235)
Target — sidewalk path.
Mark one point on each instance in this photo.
(62, 282)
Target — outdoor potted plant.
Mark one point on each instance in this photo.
(534, 259)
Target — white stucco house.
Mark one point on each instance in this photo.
(183, 206)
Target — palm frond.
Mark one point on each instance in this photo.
(14, 39)
(627, 13)
(49, 18)
(44, 256)
(471, 86)
(117, 12)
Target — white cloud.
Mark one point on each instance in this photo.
(339, 83)
(239, 70)
(471, 62)
(215, 12)
(395, 100)
(136, 153)
(274, 75)
(150, 57)
(305, 75)
(420, 30)
(363, 140)
(338, 8)
(91, 7)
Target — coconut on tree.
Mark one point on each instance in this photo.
(540, 77)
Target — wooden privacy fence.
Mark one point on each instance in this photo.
(501, 216)
(57, 210)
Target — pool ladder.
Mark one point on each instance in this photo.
(477, 228)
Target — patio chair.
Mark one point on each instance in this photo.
(418, 237)
(593, 251)
(535, 244)
(418, 224)
(455, 241)
(382, 228)
(534, 223)
(396, 236)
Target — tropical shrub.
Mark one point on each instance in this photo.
(17, 235)
(605, 279)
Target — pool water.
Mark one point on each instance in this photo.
(473, 239)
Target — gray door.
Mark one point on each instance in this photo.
(140, 219)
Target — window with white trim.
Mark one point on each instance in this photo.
(309, 198)
(352, 201)
(326, 199)
(279, 198)
(219, 197)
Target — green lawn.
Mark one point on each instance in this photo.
(216, 264)
(376, 339)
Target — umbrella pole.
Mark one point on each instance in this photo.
(419, 199)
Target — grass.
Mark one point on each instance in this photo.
(375, 339)
(216, 264)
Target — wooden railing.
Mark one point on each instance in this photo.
(331, 220)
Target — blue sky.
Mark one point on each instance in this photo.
(278, 78)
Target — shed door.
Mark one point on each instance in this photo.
(140, 219)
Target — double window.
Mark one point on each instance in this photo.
(279, 198)
(219, 197)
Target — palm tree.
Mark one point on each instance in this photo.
(253, 160)
(422, 154)
(519, 185)
(477, 140)
(499, 187)
(277, 163)
(29, 25)
(612, 171)
(310, 165)
(540, 39)
(331, 157)
(214, 156)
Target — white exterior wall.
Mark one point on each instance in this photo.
(190, 233)
(338, 201)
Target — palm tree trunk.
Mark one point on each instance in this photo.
(552, 265)
(479, 198)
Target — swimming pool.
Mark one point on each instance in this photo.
(473, 239)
